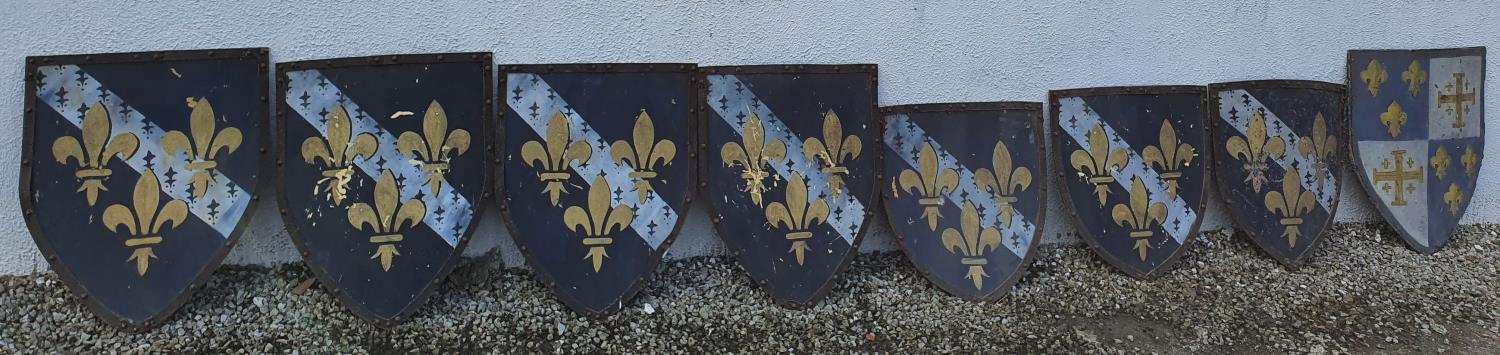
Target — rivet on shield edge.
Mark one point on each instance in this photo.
(283, 211)
(473, 56)
(395, 59)
(135, 56)
(262, 150)
(255, 197)
(717, 220)
(25, 162)
(440, 57)
(211, 53)
(279, 162)
(88, 58)
(702, 184)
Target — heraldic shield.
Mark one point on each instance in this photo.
(598, 173)
(1131, 160)
(1278, 160)
(965, 204)
(146, 174)
(383, 165)
(789, 172)
(1418, 128)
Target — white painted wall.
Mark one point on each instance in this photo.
(927, 52)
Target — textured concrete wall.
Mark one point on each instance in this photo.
(927, 52)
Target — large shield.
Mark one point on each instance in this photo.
(598, 173)
(1418, 128)
(1132, 162)
(966, 207)
(147, 170)
(1278, 162)
(791, 170)
(383, 165)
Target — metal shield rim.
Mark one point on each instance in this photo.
(690, 190)
(963, 107)
(349, 303)
(793, 69)
(260, 54)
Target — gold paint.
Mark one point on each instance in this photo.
(555, 155)
(972, 243)
(1291, 202)
(1140, 215)
(93, 152)
(204, 145)
(1254, 148)
(1318, 147)
(798, 215)
(337, 152)
(1374, 75)
(1414, 76)
(1457, 98)
(1453, 198)
(1171, 155)
(1003, 182)
(1470, 160)
(1099, 161)
(757, 151)
(644, 155)
(1440, 163)
(1396, 173)
(929, 182)
(833, 151)
(387, 218)
(598, 220)
(145, 220)
(435, 148)
(1393, 118)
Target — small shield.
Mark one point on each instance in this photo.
(383, 164)
(597, 173)
(965, 206)
(1132, 162)
(790, 175)
(152, 168)
(1278, 166)
(1418, 130)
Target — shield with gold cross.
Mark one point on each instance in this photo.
(966, 207)
(383, 162)
(1131, 162)
(139, 171)
(791, 165)
(1417, 120)
(598, 174)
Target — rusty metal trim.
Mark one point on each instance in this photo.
(789, 69)
(602, 68)
(964, 106)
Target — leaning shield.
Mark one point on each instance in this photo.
(383, 165)
(1278, 168)
(598, 174)
(1132, 164)
(152, 168)
(1418, 130)
(965, 206)
(791, 179)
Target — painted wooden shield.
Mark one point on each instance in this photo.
(790, 170)
(1132, 162)
(1278, 163)
(147, 170)
(383, 165)
(598, 173)
(967, 206)
(1418, 130)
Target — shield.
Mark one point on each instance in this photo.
(1132, 164)
(791, 182)
(148, 168)
(1418, 130)
(965, 206)
(1278, 168)
(598, 173)
(383, 164)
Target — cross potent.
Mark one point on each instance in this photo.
(1398, 175)
(1458, 99)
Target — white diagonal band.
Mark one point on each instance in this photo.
(1180, 216)
(1240, 104)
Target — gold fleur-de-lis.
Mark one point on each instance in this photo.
(1470, 161)
(758, 151)
(1291, 203)
(145, 220)
(1440, 162)
(1414, 76)
(1171, 155)
(929, 182)
(1099, 161)
(1393, 118)
(1253, 149)
(1374, 76)
(204, 145)
(93, 152)
(798, 215)
(1003, 182)
(645, 155)
(972, 243)
(387, 219)
(832, 151)
(1140, 215)
(435, 147)
(598, 221)
(1318, 147)
(1453, 198)
(555, 155)
(337, 152)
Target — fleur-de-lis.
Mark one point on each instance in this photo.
(1393, 118)
(972, 243)
(146, 220)
(1453, 198)
(758, 151)
(832, 151)
(1374, 76)
(204, 145)
(387, 219)
(1470, 161)
(598, 221)
(1253, 149)
(555, 155)
(337, 153)
(1440, 162)
(1171, 155)
(1414, 76)
(1140, 215)
(1003, 182)
(1318, 147)
(645, 155)
(798, 215)
(929, 182)
(92, 154)
(1291, 203)
(1099, 161)
(435, 147)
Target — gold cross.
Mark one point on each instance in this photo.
(1399, 175)
(1458, 98)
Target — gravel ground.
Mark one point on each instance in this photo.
(1363, 292)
